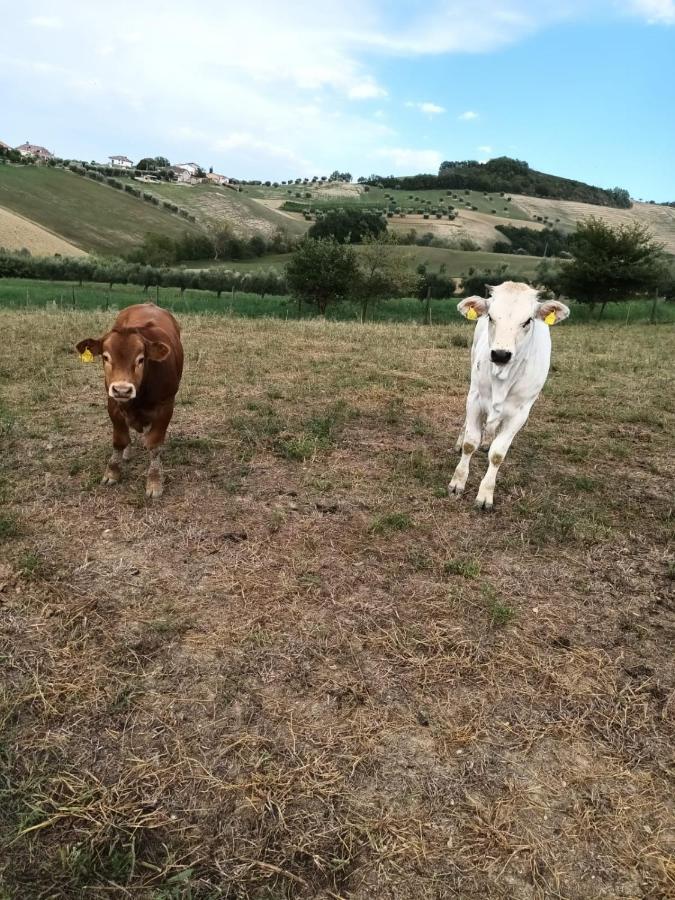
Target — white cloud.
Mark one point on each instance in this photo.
(265, 88)
(408, 161)
(46, 22)
(485, 148)
(366, 90)
(431, 109)
(657, 12)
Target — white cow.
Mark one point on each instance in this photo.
(510, 358)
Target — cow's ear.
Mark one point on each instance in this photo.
(552, 311)
(472, 307)
(93, 345)
(157, 350)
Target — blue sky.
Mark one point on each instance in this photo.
(270, 90)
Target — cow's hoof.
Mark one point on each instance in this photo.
(110, 479)
(455, 490)
(127, 453)
(484, 505)
(153, 490)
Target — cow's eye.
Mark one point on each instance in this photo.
(490, 319)
(140, 360)
(106, 357)
(525, 324)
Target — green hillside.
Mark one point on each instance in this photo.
(94, 217)
(213, 205)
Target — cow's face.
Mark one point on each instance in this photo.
(512, 309)
(125, 353)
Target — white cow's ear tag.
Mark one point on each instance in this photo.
(550, 318)
(87, 356)
(471, 314)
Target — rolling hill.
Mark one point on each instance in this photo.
(61, 212)
(92, 216)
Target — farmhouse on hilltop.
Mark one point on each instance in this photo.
(34, 150)
(191, 168)
(214, 178)
(122, 162)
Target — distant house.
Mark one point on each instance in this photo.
(181, 176)
(4, 146)
(191, 168)
(214, 178)
(35, 151)
(121, 162)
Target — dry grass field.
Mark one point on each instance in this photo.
(306, 672)
(659, 219)
(17, 233)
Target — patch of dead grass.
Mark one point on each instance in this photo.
(249, 691)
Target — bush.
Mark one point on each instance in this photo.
(348, 225)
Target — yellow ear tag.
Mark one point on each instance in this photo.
(471, 314)
(550, 319)
(87, 356)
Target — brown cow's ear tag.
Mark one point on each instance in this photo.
(471, 314)
(87, 356)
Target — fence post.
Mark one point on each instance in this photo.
(652, 317)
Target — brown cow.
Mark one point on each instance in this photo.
(142, 365)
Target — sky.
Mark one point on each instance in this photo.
(270, 90)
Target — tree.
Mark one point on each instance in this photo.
(147, 164)
(221, 237)
(611, 263)
(382, 273)
(321, 271)
(348, 225)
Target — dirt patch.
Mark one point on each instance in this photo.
(17, 233)
(306, 673)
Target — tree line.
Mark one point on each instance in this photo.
(117, 271)
(507, 175)
(219, 244)
(547, 242)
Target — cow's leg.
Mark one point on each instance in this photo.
(470, 439)
(460, 439)
(154, 440)
(510, 426)
(120, 441)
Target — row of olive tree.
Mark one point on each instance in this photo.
(116, 271)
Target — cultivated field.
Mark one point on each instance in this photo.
(17, 233)
(306, 672)
(214, 206)
(659, 219)
(92, 216)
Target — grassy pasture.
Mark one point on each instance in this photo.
(307, 673)
(456, 262)
(20, 293)
(407, 201)
(92, 216)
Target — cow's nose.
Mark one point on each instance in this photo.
(500, 356)
(122, 391)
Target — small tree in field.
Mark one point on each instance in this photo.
(611, 263)
(382, 273)
(321, 271)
